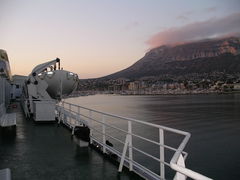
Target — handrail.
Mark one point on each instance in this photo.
(183, 170)
(131, 119)
(114, 127)
(173, 164)
(146, 139)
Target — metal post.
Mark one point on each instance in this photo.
(130, 146)
(161, 141)
(63, 112)
(59, 115)
(73, 130)
(90, 125)
(124, 153)
(4, 81)
(103, 133)
(70, 118)
(78, 111)
(62, 109)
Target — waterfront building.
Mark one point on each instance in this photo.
(236, 87)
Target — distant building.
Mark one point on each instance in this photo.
(236, 87)
(182, 86)
(133, 86)
(171, 86)
(122, 80)
(227, 87)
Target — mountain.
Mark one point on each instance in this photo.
(222, 55)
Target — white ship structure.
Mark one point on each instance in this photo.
(6, 119)
(44, 86)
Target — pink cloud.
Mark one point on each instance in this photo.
(214, 27)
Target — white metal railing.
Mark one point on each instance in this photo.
(74, 115)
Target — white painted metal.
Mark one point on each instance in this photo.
(79, 117)
(161, 141)
(178, 175)
(8, 119)
(5, 174)
(124, 153)
(90, 125)
(189, 173)
(130, 146)
(44, 85)
(3, 87)
(60, 82)
(176, 162)
(44, 110)
(104, 133)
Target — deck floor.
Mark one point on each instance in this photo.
(47, 151)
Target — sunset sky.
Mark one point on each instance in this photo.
(99, 37)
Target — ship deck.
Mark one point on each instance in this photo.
(47, 151)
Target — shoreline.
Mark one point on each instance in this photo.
(177, 94)
(80, 94)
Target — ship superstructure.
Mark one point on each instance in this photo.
(6, 119)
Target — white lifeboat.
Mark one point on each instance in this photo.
(60, 82)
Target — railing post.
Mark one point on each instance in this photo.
(68, 119)
(130, 146)
(78, 116)
(90, 125)
(57, 109)
(103, 133)
(162, 166)
(126, 144)
(62, 113)
(59, 114)
(180, 162)
(70, 107)
(73, 130)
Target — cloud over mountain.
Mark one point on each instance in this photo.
(215, 27)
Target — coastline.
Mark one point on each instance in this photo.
(178, 93)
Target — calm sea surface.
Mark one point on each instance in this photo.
(212, 120)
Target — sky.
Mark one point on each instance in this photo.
(99, 37)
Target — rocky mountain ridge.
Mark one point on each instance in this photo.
(194, 50)
(195, 57)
